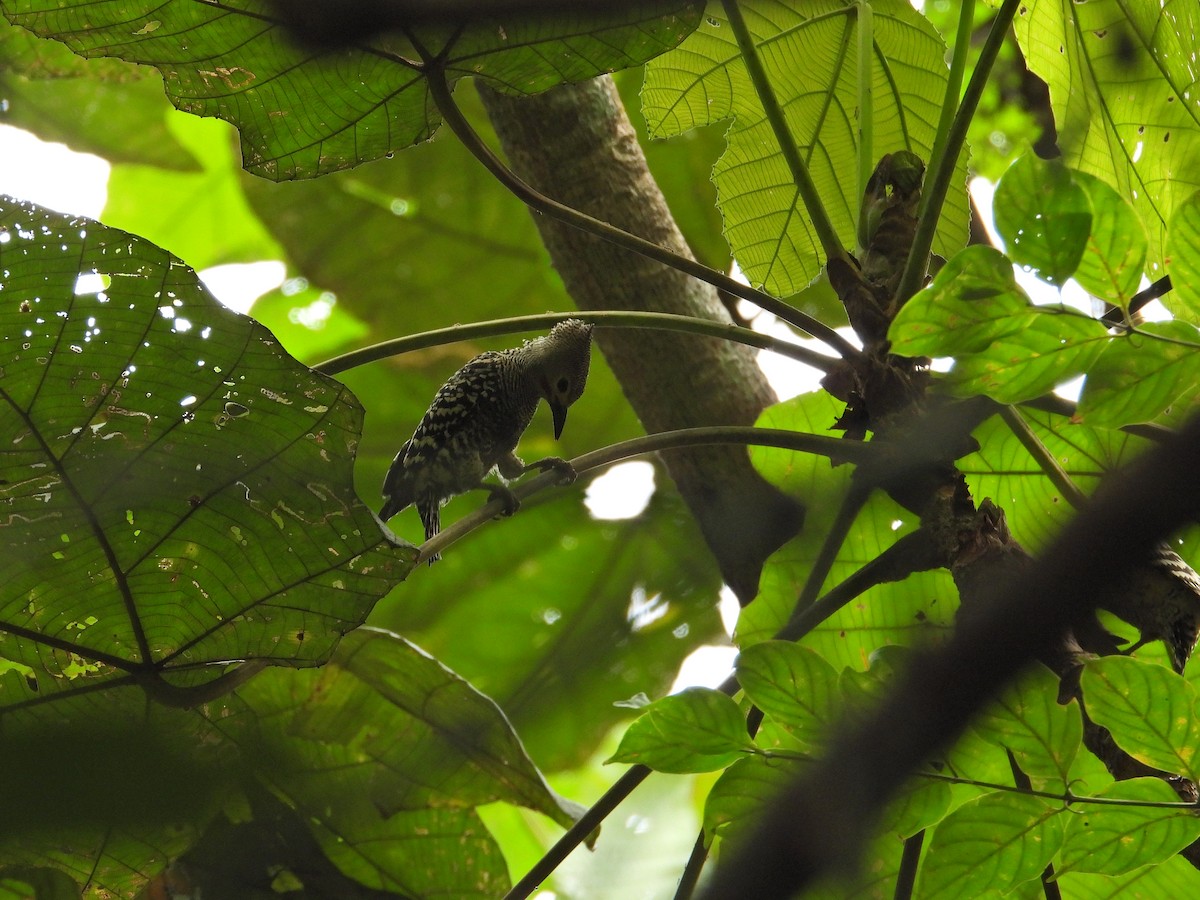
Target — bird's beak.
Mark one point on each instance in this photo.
(560, 418)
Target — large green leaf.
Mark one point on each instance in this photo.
(177, 489)
(1028, 721)
(1003, 470)
(1183, 260)
(792, 685)
(303, 113)
(696, 730)
(1115, 255)
(809, 54)
(1122, 87)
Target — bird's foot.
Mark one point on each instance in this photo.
(505, 496)
(566, 471)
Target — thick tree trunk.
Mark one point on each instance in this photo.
(576, 144)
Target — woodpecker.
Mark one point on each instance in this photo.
(476, 418)
(1160, 598)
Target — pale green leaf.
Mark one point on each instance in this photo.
(1113, 840)
(1151, 712)
(1141, 374)
(1122, 88)
(696, 730)
(1115, 255)
(792, 685)
(1183, 260)
(1042, 734)
(996, 842)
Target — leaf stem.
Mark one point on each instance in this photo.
(783, 136)
(906, 878)
(625, 319)
(1042, 456)
(439, 89)
(942, 168)
(578, 832)
(866, 100)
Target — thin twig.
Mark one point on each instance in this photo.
(623, 319)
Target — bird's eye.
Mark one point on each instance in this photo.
(562, 385)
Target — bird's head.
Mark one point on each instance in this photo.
(563, 358)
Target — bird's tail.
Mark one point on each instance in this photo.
(431, 517)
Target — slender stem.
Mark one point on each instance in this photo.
(691, 872)
(663, 321)
(578, 833)
(958, 65)
(906, 878)
(1043, 457)
(439, 89)
(783, 136)
(942, 168)
(866, 99)
(847, 512)
(834, 448)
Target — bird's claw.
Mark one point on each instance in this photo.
(505, 496)
(565, 471)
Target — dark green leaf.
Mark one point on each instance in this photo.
(105, 107)
(1151, 712)
(303, 114)
(705, 81)
(994, 843)
(1113, 840)
(179, 492)
(1042, 734)
(1183, 260)
(792, 685)
(437, 740)
(1141, 374)
(1112, 263)
(697, 730)
(29, 883)
(1044, 217)
(442, 851)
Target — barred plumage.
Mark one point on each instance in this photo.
(478, 416)
(1162, 600)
